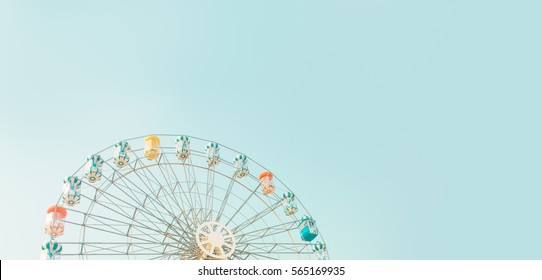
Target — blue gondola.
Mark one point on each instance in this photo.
(307, 228)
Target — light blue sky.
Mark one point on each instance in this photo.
(410, 129)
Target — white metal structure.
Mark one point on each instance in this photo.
(195, 199)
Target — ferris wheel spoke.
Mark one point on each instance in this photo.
(93, 249)
(147, 196)
(246, 218)
(160, 257)
(192, 173)
(207, 196)
(107, 225)
(157, 183)
(137, 204)
(125, 215)
(95, 217)
(104, 243)
(157, 255)
(236, 257)
(181, 192)
(135, 224)
(114, 204)
(98, 193)
(232, 178)
(171, 253)
(180, 234)
(250, 247)
(153, 249)
(178, 184)
(190, 225)
(252, 237)
(273, 249)
(153, 201)
(225, 200)
(120, 188)
(177, 230)
(169, 248)
(186, 224)
(226, 204)
(210, 190)
(256, 255)
(170, 183)
(130, 224)
(231, 206)
(118, 174)
(267, 231)
(107, 231)
(170, 211)
(265, 253)
(145, 214)
(190, 188)
(189, 198)
(241, 226)
(127, 248)
(118, 203)
(242, 205)
(165, 235)
(276, 248)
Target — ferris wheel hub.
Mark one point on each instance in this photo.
(215, 240)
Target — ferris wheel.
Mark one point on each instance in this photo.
(156, 197)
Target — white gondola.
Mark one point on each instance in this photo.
(320, 250)
(50, 249)
(71, 195)
(120, 157)
(288, 203)
(94, 168)
(213, 153)
(182, 144)
(240, 162)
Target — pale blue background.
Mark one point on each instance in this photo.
(410, 129)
